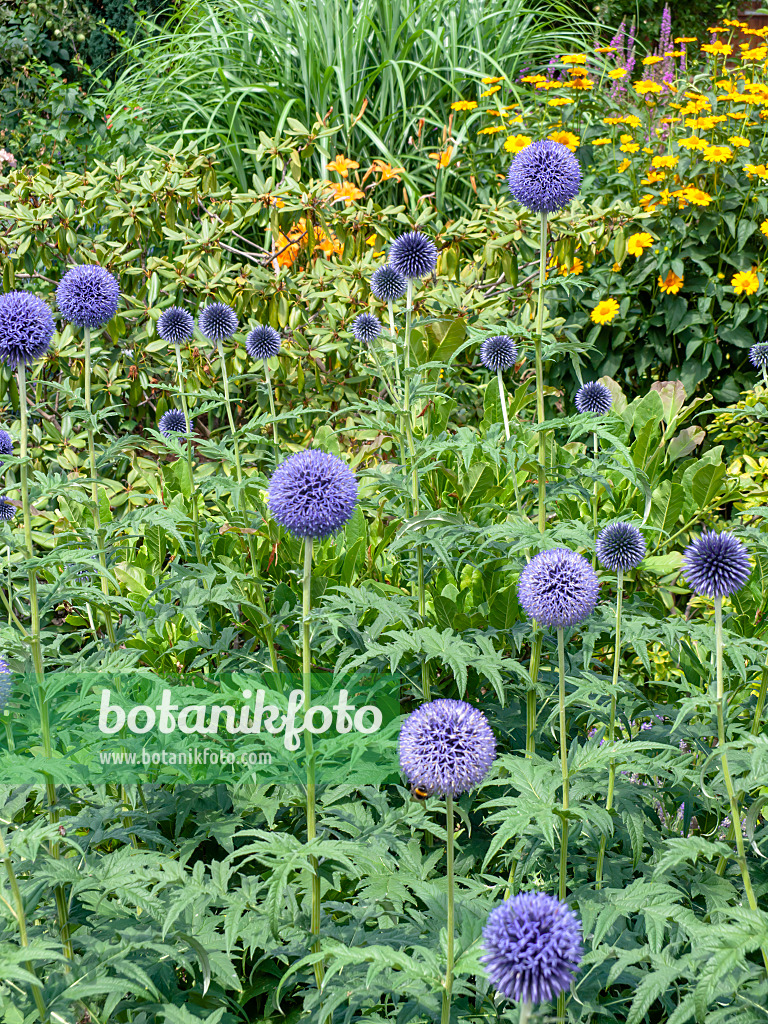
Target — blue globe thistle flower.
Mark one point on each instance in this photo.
(172, 422)
(532, 947)
(7, 510)
(558, 588)
(717, 564)
(6, 444)
(594, 397)
(88, 295)
(446, 746)
(5, 684)
(366, 327)
(758, 355)
(217, 321)
(263, 342)
(498, 352)
(26, 328)
(620, 546)
(413, 254)
(387, 285)
(175, 325)
(545, 176)
(312, 494)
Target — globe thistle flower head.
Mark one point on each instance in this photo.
(413, 254)
(26, 328)
(7, 510)
(263, 342)
(366, 327)
(620, 546)
(758, 355)
(5, 684)
(6, 444)
(172, 423)
(716, 565)
(593, 397)
(558, 588)
(532, 947)
(544, 176)
(498, 352)
(446, 747)
(312, 494)
(217, 321)
(387, 284)
(175, 325)
(88, 295)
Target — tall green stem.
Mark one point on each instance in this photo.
(594, 509)
(564, 770)
(393, 336)
(612, 722)
(741, 858)
(525, 1012)
(503, 399)
(21, 920)
(95, 486)
(449, 828)
(272, 410)
(533, 672)
(37, 653)
(306, 670)
(188, 428)
(540, 374)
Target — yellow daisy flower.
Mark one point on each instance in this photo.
(604, 311)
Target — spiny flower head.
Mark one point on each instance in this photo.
(544, 176)
(532, 947)
(5, 684)
(217, 321)
(413, 254)
(26, 328)
(172, 422)
(558, 588)
(6, 444)
(594, 397)
(88, 295)
(758, 355)
(7, 510)
(446, 746)
(175, 325)
(498, 352)
(263, 342)
(366, 327)
(716, 565)
(312, 493)
(387, 284)
(620, 546)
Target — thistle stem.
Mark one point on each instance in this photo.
(306, 669)
(563, 760)
(95, 486)
(594, 508)
(21, 920)
(503, 399)
(525, 1012)
(612, 722)
(449, 838)
(270, 389)
(540, 374)
(533, 672)
(393, 335)
(741, 858)
(188, 423)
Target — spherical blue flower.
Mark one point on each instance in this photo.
(532, 947)
(413, 254)
(558, 588)
(758, 355)
(594, 397)
(498, 352)
(387, 285)
(620, 546)
(175, 325)
(263, 342)
(87, 295)
(545, 176)
(717, 564)
(6, 444)
(312, 493)
(5, 684)
(366, 327)
(217, 321)
(446, 746)
(7, 511)
(26, 328)
(172, 422)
